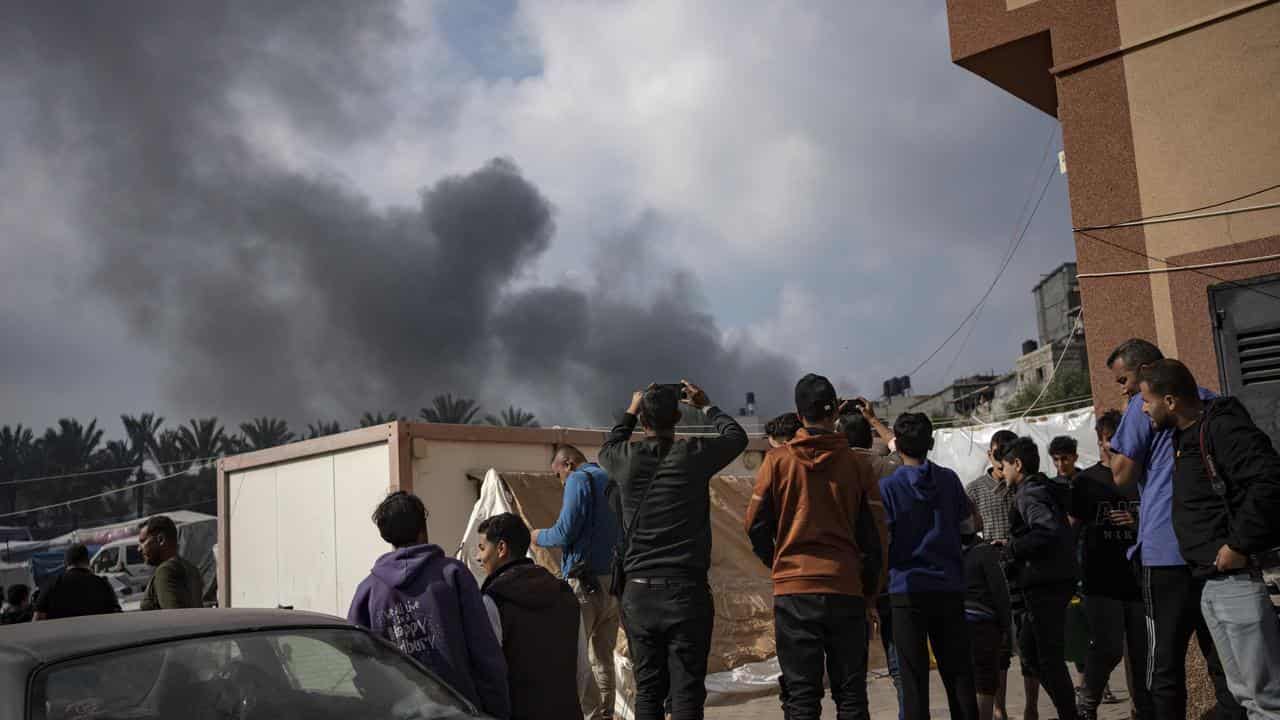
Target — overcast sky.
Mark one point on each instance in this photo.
(295, 209)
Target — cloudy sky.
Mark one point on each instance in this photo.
(313, 209)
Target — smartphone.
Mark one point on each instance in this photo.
(677, 388)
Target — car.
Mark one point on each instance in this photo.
(214, 664)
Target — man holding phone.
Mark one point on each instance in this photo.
(664, 502)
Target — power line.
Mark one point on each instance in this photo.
(1182, 217)
(1008, 258)
(1076, 328)
(103, 471)
(1178, 268)
(127, 488)
(1211, 276)
(1210, 206)
(1048, 145)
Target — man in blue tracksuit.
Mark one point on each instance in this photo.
(586, 532)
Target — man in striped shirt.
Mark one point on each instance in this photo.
(991, 494)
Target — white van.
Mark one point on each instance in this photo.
(123, 559)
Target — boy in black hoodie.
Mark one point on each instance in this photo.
(1040, 560)
(1226, 497)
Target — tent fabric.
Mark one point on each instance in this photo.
(965, 449)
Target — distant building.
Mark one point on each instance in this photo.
(1057, 303)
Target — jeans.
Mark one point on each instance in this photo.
(668, 625)
(885, 609)
(814, 631)
(1238, 611)
(1172, 597)
(937, 619)
(600, 620)
(1042, 643)
(1117, 631)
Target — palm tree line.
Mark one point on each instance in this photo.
(72, 461)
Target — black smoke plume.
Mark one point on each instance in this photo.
(275, 292)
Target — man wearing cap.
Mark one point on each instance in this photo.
(815, 521)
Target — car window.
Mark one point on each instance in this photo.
(317, 666)
(134, 555)
(322, 674)
(106, 559)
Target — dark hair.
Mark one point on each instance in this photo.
(783, 427)
(660, 407)
(1002, 437)
(1063, 445)
(508, 528)
(161, 525)
(1024, 449)
(1107, 424)
(401, 519)
(1170, 377)
(75, 554)
(913, 433)
(815, 398)
(1135, 352)
(571, 453)
(17, 594)
(858, 430)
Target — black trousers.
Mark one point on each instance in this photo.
(1042, 643)
(816, 633)
(668, 625)
(1117, 631)
(921, 620)
(1172, 598)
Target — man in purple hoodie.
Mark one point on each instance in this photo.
(430, 606)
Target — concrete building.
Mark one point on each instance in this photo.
(1057, 303)
(1166, 107)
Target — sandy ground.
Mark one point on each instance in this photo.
(884, 703)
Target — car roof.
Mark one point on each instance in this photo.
(53, 640)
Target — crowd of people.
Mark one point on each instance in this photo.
(1165, 537)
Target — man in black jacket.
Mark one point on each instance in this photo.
(1040, 557)
(77, 591)
(1226, 498)
(665, 511)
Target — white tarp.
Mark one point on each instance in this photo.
(965, 449)
(493, 501)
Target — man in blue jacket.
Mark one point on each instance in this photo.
(429, 605)
(586, 532)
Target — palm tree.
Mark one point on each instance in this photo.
(513, 417)
(18, 456)
(117, 454)
(141, 432)
(320, 428)
(266, 432)
(448, 409)
(371, 419)
(202, 438)
(70, 447)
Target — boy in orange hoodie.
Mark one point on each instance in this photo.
(812, 521)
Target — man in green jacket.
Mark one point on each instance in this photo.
(176, 583)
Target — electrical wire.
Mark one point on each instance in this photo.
(1184, 217)
(127, 488)
(1177, 268)
(1188, 211)
(990, 288)
(1075, 328)
(104, 471)
(1211, 276)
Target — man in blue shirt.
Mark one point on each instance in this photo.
(1143, 454)
(586, 532)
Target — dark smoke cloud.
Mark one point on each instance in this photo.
(274, 292)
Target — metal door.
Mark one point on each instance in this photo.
(1246, 320)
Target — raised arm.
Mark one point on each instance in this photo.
(617, 446)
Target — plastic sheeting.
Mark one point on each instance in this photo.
(965, 449)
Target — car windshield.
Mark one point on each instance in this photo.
(342, 674)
